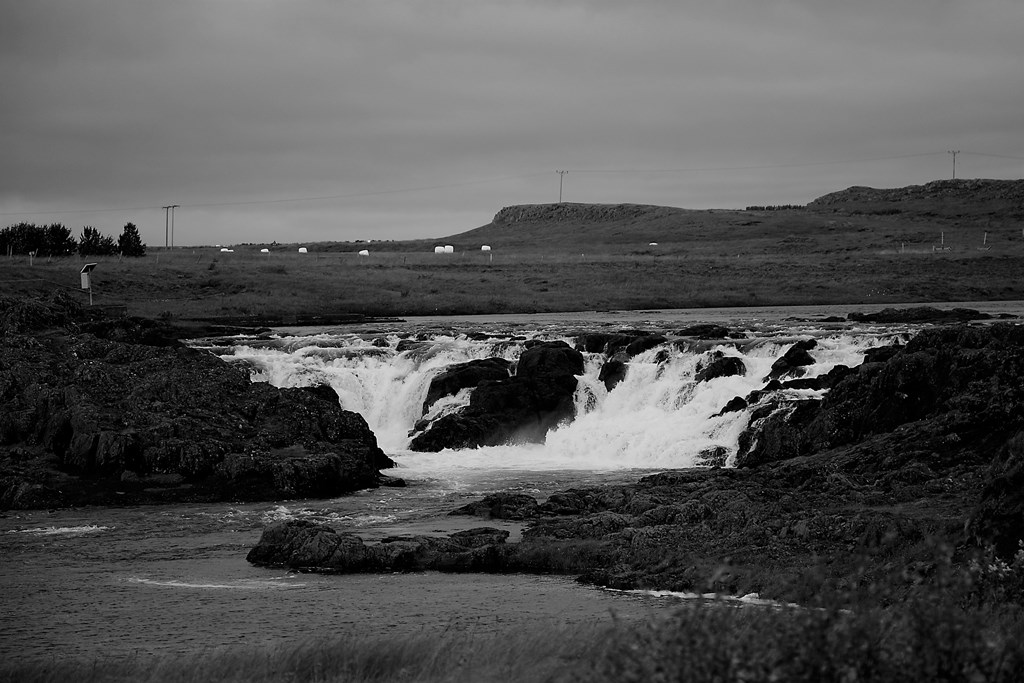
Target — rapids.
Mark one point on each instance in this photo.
(657, 417)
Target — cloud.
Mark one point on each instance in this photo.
(113, 104)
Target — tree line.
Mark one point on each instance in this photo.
(777, 207)
(57, 240)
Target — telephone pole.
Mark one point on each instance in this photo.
(561, 174)
(169, 223)
(954, 152)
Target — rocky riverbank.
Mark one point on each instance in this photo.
(97, 410)
(911, 463)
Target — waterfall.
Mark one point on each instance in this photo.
(658, 416)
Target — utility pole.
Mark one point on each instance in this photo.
(954, 152)
(169, 223)
(561, 174)
(173, 207)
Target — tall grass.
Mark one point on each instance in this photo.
(924, 640)
(448, 656)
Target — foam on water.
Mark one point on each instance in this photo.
(61, 531)
(658, 416)
(239, 584)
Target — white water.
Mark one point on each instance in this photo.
(657, 417)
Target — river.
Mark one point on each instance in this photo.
(105, 582)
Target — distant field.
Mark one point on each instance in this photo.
(553, 258)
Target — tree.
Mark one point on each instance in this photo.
(130, 242)
(48, 240)
(93, 243)
(58, 241)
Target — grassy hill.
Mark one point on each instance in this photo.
(943, 241)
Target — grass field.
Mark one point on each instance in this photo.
(700, 259)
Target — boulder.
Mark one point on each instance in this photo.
(549, 359)
(705, 331)
(792, 362)
(460, 376)
(720, 366)
(501, 506)
(612, 372)
(309, 546)
(519, 409)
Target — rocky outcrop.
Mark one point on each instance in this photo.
(878, 477)
(720, 366)
(960, 381)
(520, 409)
(919, 314)
(792, 362)
(461, 376)
(308, 546)
(501, 506)
(135, 416)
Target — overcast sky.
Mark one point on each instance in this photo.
(310, 120)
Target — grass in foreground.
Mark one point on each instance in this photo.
(918, 641)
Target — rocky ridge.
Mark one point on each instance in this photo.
(911, 459)
(112, 411)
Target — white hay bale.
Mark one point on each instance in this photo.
(438, 250)
(302, 250)
(486, 247)
(364, 252)
(449, 249)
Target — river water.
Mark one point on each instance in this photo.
(105, 582)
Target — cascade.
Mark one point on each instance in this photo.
(658, 416)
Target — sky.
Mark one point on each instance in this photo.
(336, 120)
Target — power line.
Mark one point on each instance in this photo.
(422, 188)
(694, 169)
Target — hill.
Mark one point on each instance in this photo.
(953, 240)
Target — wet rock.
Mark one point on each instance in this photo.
(549, 359)
(520, 409)
(612, 372)
(460, 376)
(721, 366)
(776, 432)
(705, 331)
(501, 506)
(791, 363)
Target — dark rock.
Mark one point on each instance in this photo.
(736, 403)
(92, 409)
(776, 433)
(793, 360)
(880, 354)
(612, 372)
(919, 314)
(549, 359)
(714, 456)
(308, 546)
(705, 331)
(722, 366)
(501, 506)
(460, 376)
(519, 409)
(644, 343)
(412, 345)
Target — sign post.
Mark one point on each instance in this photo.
(86, 269)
